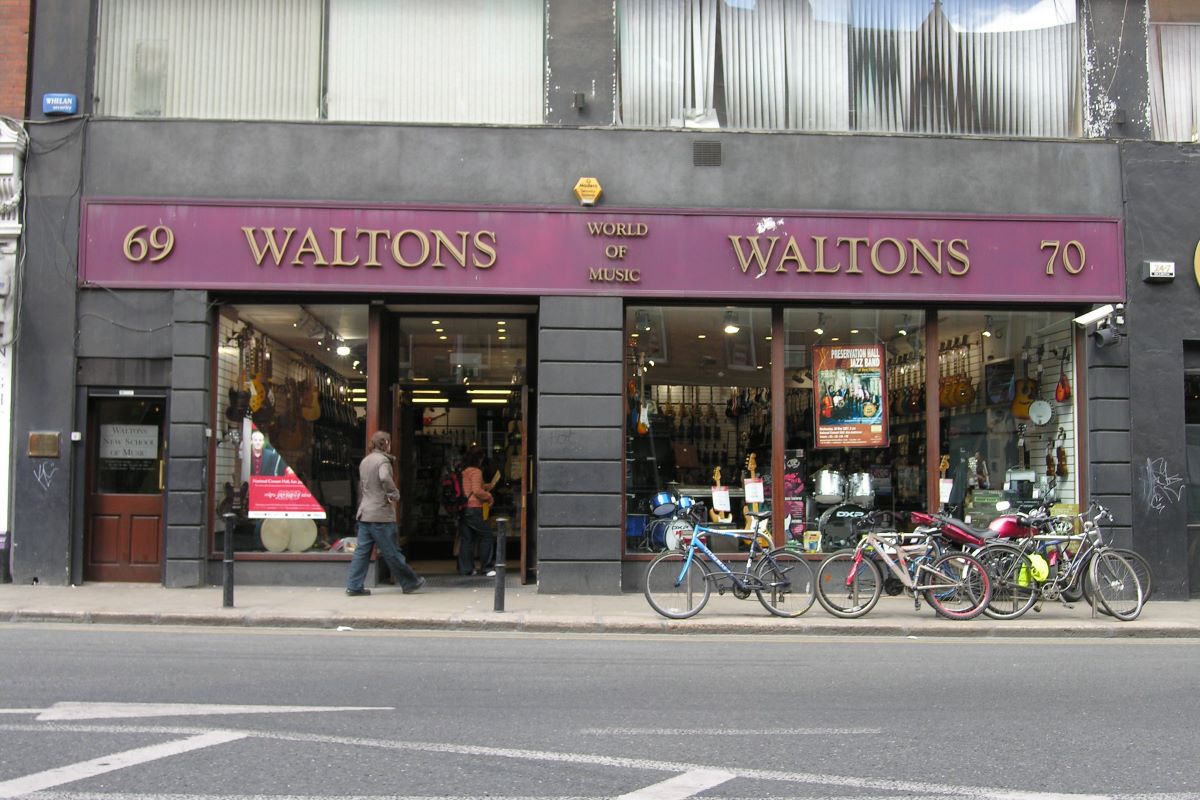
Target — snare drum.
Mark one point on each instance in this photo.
(862, 489)
(663, 504)
(829, 487)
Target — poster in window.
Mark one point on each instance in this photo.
(848, 392)
(276, 491)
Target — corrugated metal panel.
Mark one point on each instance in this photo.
(230, 59)
(470, 61)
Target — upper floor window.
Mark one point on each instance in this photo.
(1000, 67)
(1174, 65)
(453, 61)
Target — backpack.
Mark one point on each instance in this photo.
(453, 499)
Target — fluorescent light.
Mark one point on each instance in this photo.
(505, 392)
(426, 391)
(435, 322)
(482, 400)
(416, 401)
(701, 336)
(358, 390)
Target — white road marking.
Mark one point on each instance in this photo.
(98, 766)
(77, 711)
(682, 786)
(730, 731)
(844, 781)
(21, 710)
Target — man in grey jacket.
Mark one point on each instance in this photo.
(377, 521)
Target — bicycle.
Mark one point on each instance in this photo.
(679, 582)
(850, 582)
(1058, 564)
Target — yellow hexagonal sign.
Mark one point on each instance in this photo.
(588, 191)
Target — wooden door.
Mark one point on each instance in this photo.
(123, 531)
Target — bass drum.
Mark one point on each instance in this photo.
(669, 534)
(837, 526)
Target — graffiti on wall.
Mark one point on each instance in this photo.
(1160, 488)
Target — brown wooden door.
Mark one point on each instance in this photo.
(123, 532)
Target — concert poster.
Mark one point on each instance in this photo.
(849, 395)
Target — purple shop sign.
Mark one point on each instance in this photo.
(632, 252)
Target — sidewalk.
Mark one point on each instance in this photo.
(461, 606)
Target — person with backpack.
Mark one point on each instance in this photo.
(473, 530)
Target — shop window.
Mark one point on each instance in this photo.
(698, 416)
(1008, 425)
(933, 66)
(291, 389)
(855, 424)
(1173, 53)
(367, 60)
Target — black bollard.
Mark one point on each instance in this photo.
(227, 575)
(501, 548)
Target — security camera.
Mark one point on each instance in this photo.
(1106, 335)
(1095, 315)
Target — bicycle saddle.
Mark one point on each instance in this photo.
(759, 514)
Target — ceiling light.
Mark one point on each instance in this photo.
(767, 338)
(435, 322)
(987, 327)
(731, 323)
(443, 337)
(819, 330)
(641, 320)
(492, 400)
(355, 364)
(426, 391)
(854, 330)
(505, 392)
(502, 338)
(903, 329)
(343, 350)
(701, 336)
(429, 400)
(439, 330)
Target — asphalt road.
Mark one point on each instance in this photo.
(274, 714)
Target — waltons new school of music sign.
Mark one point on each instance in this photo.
(630, 252)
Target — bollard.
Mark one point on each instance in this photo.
(227, 574)
(501, 548)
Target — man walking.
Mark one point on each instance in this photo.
(377, 520)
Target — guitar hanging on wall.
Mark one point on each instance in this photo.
(1062, 391)
(1025, 390)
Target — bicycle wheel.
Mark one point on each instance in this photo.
(958, 587)
(1116, 585)
(1140, 566)
(673, 592)
(845, 590)
(1014, 584)
(787, 581)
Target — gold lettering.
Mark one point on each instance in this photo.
(270, 244)
(310, 246)
(459, 255)
(919, 249)
(758, 257)
(854, 242)
(373, 245)
(593, 273)
(338, 260)
(958, 255)
(635, 276)
(487, 250)
(819, 241)
(791, 253)
(398, 256)
(903, 254)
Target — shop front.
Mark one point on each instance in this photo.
(816, 365)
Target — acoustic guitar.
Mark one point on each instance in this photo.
(1062, 391)
(1025, 390)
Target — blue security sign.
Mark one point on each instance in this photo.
(59, 103)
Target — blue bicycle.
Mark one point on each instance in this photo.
(679, 582)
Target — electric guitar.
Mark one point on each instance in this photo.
(714, 516)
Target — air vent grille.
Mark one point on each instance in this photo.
(706, 154)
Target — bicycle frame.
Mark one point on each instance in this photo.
(744, 581)
(906, 566)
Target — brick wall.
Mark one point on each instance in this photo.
(14, 56)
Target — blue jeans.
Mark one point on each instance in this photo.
(383, 536)
(472, 531)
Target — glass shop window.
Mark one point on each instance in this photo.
(855, 421)
(291, 405)
(697, 416)
(1007, 411)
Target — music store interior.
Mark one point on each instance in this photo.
(453, 378)
(701, 415)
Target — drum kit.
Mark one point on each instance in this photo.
(847, 501)
(671, 521)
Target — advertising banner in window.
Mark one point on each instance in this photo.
(848, 392)
(276, 492)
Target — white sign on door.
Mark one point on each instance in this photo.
(129, 441)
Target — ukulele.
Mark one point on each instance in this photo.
(714, 516)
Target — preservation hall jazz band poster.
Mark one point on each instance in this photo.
(848, 395)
